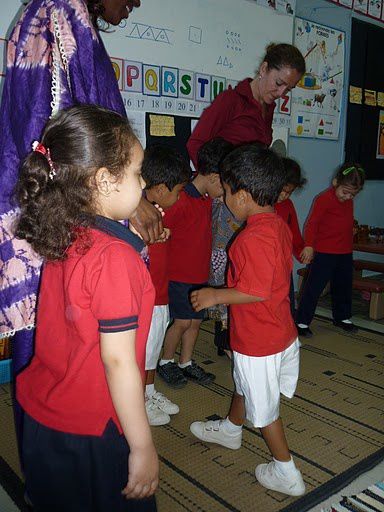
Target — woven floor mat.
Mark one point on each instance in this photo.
(334, 426)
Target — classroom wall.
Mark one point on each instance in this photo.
(320, 158)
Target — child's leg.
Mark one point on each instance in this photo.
(341, 287)
(173, 337)
(274, 437)
(319, 274)
(188, 341)
(236, 414)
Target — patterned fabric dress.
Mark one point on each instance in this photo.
(55, 58)
(224, 228)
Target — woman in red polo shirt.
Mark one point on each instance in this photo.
(241, 115)
(87, 444)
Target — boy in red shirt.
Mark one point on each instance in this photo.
(190, 221)
(263, 336)
(328, 234)
(286, 210)
(165, 172)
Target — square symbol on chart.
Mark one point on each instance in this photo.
(300, 119)
(195, 34)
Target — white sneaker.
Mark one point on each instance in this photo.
(213, 432)
(269, 477)
(156, 416)
(164, 403)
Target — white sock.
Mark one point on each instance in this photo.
(302, 326)
(165, 361)
(230, 427)
(150, 390)
(285, 468)
(184, 365)
(346, 321)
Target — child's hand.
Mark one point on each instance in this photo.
(203, 298)
(306, 255)
(143, 473)
(164, 236)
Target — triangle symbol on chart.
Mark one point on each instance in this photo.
(148, 34)
(321, 123)
(225, 63)
(220, 61)
(135, 32)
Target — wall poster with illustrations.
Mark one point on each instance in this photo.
(317, 98)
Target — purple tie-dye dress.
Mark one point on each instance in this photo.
(55, 58)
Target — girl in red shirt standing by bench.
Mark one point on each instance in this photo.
(328, 234)
(87, 444)
(286, 210)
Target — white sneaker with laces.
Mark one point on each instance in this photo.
(212, 431)
(156, 417)
(291, 484)
(164, 403)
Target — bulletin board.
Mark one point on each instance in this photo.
(364, 140)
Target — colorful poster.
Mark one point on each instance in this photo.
(380, 136)
(361, 6)
(374, 8)
(317, 98)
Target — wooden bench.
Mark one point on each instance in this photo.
(374, 266)
(373, 286)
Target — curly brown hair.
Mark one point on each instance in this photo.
(81, 140)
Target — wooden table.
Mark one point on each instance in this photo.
(372, 247)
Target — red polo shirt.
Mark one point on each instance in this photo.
(329, 227)
(159, 270)
(235, 116)
(190, 222)
(286, 210)
(106, 289)
(260, 265)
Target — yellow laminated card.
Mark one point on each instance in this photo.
(370, 98)
(161, 126)
(355, 94)
(380, 99)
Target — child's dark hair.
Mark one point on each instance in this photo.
(80, 141)
(163, 164)
(293, 173)
(351, 174)
(211, 154)
(255, 169)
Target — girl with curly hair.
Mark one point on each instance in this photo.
(55, 59)
(87, 444)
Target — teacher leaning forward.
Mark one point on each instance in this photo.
(242, 115)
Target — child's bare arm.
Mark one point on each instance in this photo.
(207, 297)
(126, 388)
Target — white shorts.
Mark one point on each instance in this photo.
(261, 380)
(159, 324)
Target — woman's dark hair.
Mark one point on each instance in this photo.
(351, 174)
(255, 169)
(210, 155)
(282, 55)
(81, 140)
(163, 164)
(96, 9)
(293, 174)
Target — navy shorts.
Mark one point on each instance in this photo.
(77, 473)
(180, 303)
